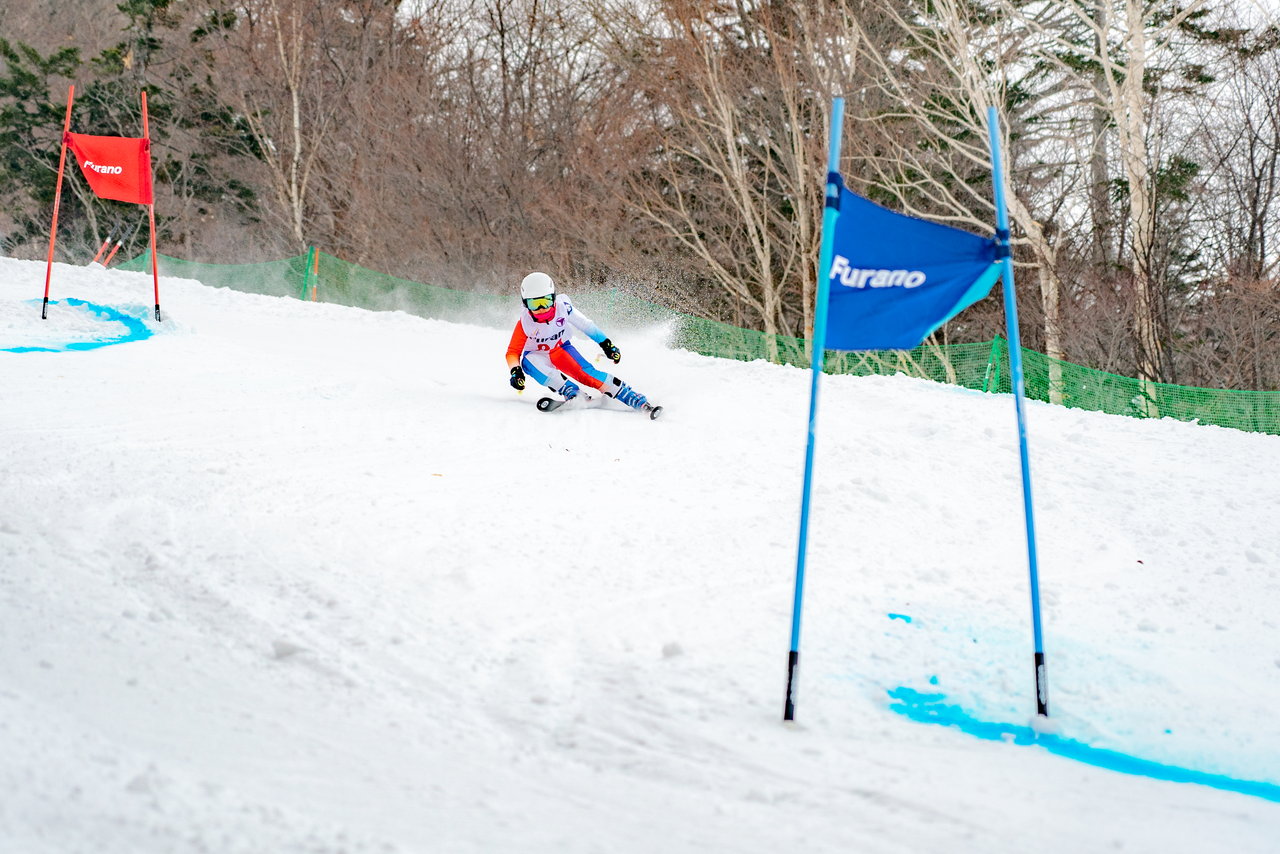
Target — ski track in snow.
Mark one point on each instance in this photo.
(297, 577)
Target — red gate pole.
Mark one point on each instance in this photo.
(151, 208)
(57, 201)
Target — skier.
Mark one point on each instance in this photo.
(540, 347)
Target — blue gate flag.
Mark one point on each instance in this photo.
(886, 281)
(895, 278)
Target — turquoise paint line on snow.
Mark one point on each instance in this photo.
(135, 329)
(930, 709)
(902, 617)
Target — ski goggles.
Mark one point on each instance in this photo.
(540, 303)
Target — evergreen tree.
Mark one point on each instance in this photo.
(194, 135)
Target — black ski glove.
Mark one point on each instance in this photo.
(517, 378)
(611, 351)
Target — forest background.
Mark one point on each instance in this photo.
(676, 148)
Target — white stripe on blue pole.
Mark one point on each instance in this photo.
(1015, 369)
(829, 215)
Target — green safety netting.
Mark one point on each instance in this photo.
(982, 366)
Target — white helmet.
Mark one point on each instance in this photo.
(538, 293)
(536, 285)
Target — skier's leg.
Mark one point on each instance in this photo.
(573, 364)
(567, 358)
(538, 365)
(624, 393)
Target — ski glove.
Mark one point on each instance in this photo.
(517, 378)
(611, 351)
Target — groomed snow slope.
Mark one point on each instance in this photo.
(292, 577)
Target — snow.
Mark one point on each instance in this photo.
(294, 577)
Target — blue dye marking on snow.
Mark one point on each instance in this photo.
(930, 709)
(135, 329)
(933, 680)
(902, 617)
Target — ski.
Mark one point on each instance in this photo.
(583, 401)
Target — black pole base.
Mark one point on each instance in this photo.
(1042, 687)
(44, 311)
(157, 312)
(793, 665)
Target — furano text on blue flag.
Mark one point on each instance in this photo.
(894, 279)
(855, 278)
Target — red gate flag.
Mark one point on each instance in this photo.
(116, 167)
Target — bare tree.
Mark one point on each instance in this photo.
(731, 112)
(934, 80)
(1239, 131)
(290, 64)
(1133, 50)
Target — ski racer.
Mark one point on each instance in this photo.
(540, 346)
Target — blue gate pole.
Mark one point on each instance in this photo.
(829, 214)
(1015, 368)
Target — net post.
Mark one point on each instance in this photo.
(992, 361)
(306, 272)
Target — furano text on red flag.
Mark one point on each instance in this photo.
(116, 167)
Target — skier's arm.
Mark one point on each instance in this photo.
(593, 332)
(515, 350)
(584, 323)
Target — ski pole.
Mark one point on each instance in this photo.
(103, 248)
(119, 243)
(113, 253)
